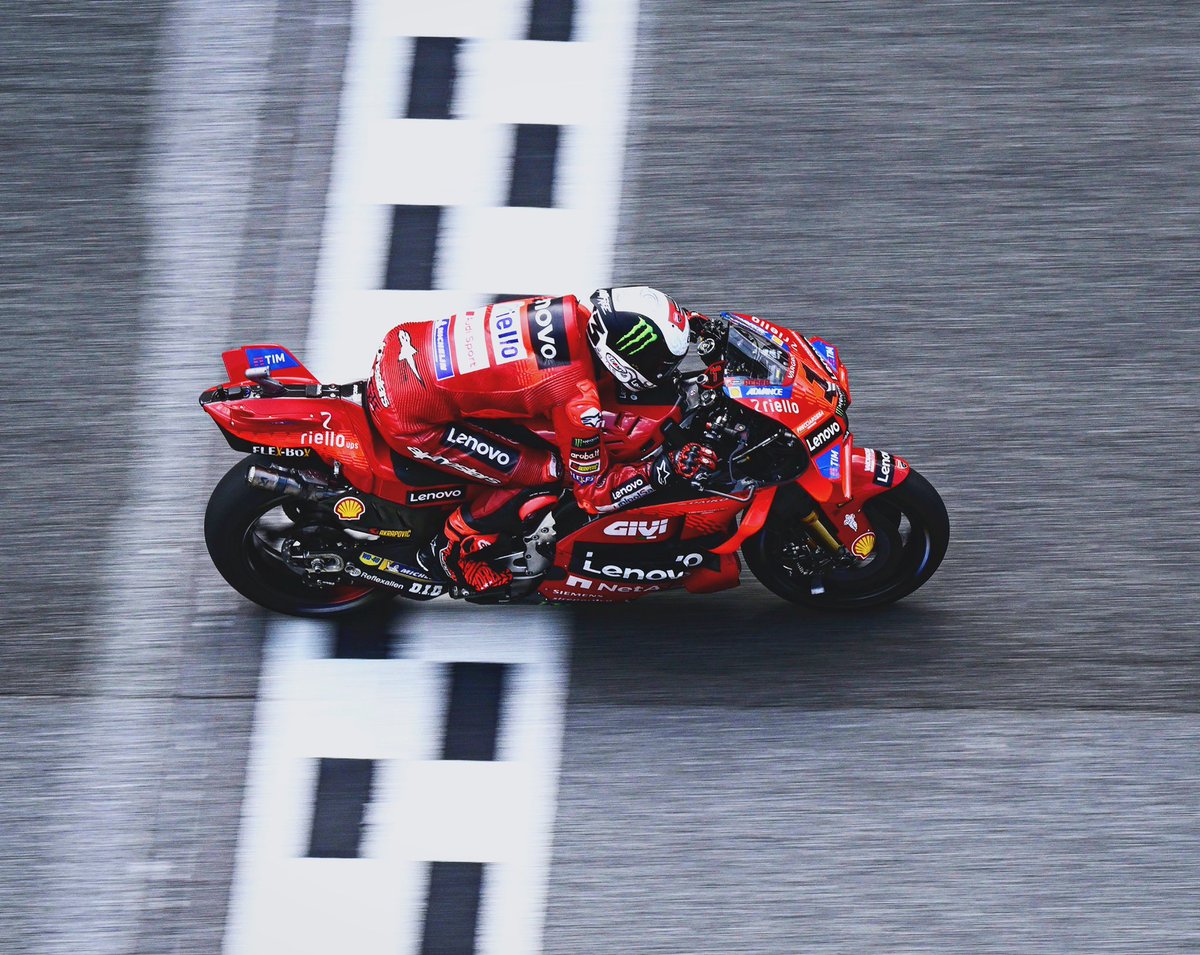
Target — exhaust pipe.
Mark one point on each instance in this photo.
(273, 481)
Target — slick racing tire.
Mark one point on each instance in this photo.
(912, 531)
(243, 527)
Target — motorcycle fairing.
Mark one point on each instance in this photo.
(282, 364)
(627, 554)
(870, 473)
(335, 429)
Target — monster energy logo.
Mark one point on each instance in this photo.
(637, 338)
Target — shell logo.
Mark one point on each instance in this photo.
(349, 509)
(863, 545)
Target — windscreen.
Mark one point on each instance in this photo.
(753, 355)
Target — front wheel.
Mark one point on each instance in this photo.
(912, 531)
(245, 529)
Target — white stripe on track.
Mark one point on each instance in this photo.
(310, 706)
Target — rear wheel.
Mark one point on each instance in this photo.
(912, 531)
(246, 529)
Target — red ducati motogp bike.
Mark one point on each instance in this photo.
(322, 517)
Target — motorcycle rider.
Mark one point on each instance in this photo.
(458, 394)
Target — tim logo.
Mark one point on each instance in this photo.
(548, 333)
(270, 358)
(642, 530)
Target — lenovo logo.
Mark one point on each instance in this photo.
(824, 436)
(548, 331)
(435, 495)
(482, 448)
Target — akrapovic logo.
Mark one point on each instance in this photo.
(638, 338)
(435, 495)
(482, 448)
(823, 436)
(548, 333)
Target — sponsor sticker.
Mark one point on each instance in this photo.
(646, 563)
(548, 333)
(653, 530)
(408, 355)
(482, 447)
(435, 495)
(270, 358)
(885, 471)
(826, 352)
(830, 463)
(869, 459)
(384, 532)
(824, 435)
(443, 363)
(863, 545)
(470, 343)
(349, 509)
(759, 391)
(271, 451)
(447, 463)
(632, 490)
(504, 327)
(381, 394)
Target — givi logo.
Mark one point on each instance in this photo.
(643, 530)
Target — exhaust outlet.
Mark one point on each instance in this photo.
(273, 481)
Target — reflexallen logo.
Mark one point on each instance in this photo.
(638, 338)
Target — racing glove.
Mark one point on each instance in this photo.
(690, 462)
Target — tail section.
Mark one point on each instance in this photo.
(284, 366)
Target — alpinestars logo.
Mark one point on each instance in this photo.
(482, 448)
(447, 463)
(407, 355)
(638, 338)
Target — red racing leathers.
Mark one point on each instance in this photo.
(436, 385)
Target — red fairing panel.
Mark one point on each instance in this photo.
(645, 550)
(872, 472)
(336, 429)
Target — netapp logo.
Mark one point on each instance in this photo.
(821, 438)
(482, 448)
(548, 332)
(435, 495)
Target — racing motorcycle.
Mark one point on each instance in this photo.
(323, 517)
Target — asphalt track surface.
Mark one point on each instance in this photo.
(991, 208)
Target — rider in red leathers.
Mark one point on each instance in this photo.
(459, 394)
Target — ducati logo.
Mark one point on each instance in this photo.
(349, 509)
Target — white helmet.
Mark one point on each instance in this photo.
(638, 333)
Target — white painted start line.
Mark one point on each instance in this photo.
(434, 207)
